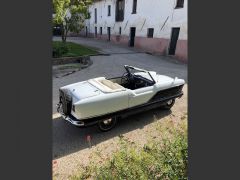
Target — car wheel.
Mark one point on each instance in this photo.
(107, 124)
(169, 104)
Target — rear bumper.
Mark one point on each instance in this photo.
(70, 119)
(74, 121)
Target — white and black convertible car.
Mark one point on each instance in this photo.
(103, 101)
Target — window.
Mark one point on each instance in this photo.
(120, 4)
(120, 30)
(179, 4)
(109, 10)
(150, 33)
(100, 31)
(134, 10)
(95, 14)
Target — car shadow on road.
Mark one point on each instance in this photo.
(68, 139)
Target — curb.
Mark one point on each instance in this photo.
(68, 60)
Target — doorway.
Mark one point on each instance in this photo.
(109, 33)
(173, 41)
(95, 32)
(132, 36)
(86, 31)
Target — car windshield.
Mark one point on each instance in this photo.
(139, 72)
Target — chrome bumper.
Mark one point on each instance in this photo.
(72, 120)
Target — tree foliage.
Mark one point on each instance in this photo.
(70, 15)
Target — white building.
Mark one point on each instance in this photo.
(157, 26)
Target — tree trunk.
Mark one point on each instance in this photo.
(63, 33)
(66, 29)
(63, 38)
(66, 32)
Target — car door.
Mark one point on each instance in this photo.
(140, 96)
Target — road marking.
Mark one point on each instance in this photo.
(56, 115)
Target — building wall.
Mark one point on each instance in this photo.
(158, 14)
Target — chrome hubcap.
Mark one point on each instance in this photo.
(107, 121)
(169, 102)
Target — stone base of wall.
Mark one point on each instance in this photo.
(151, 45)
(160, 46)
(113, 38)
(182, 50)
(120, 39)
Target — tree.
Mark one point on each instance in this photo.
(70, 15)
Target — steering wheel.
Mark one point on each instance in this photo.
(125, 78)
(138, 83)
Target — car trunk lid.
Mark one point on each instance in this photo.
(82, 90)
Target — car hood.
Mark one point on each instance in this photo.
(81, 90)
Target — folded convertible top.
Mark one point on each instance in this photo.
(105, 85)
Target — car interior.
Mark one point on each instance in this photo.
(131, 80)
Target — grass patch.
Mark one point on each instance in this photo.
(70, 49)
(164, 157)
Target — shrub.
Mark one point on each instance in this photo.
(162, 158)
